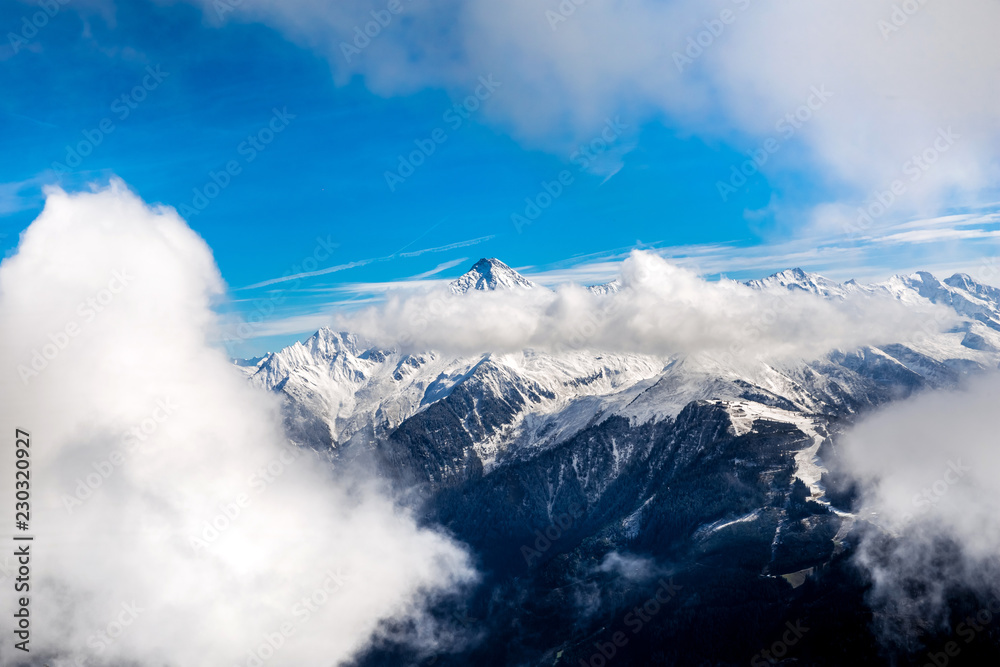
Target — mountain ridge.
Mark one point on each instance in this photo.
(679, 461)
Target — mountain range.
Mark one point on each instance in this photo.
(581, 480)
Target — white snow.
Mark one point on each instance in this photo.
(364, 392)
(490, 274)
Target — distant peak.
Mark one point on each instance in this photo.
(785, 277)
(961, 280)
(488, 274)
(794, 275)
(798, 280)
(612, 287)
(964, 281)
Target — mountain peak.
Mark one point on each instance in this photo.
(612, 287)
(798, 280)
(968, 284)
(488, 274)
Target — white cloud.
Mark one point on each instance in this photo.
(365, 262)
(661, 309)
(930, 468)
(444, 266)
(311, 274)
(893, 89)
(19, 195)
(629, 566)
(962, 243)
(213, 450)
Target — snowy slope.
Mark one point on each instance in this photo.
(799, 280)
(713, 465)
(516, 406)
(490, 274)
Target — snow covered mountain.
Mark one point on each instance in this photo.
(490, 274)
(797, 279)
(348, 395)
(612, 287)
(349, 390)
(676, 458)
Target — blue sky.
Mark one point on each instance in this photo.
(196, 88)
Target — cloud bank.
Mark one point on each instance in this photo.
(660, 309)
(897, 74)
(174, 522)
(931, 470)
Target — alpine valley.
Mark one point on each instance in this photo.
(634, 509)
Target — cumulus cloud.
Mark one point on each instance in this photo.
(727, 70)
(930, 469)
(175, 524)
(660, 309)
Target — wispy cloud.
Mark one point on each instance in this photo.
(932, 235)
(365, 262)
(957, 242)
(305, 323)
(661, 309)
(312, 274)
(444, 266)
(960, 240)
(21, 195)
(444, 248)
(891, 94)
(33, 121)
